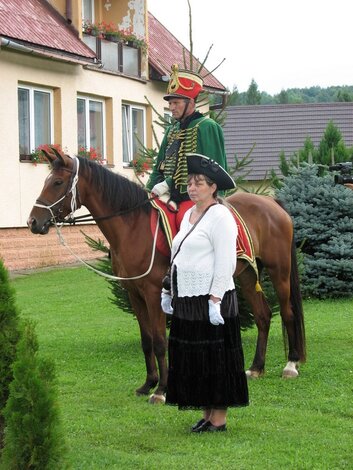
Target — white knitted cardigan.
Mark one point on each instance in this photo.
(207, 258)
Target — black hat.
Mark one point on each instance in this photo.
(201, 165)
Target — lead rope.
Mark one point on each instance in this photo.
(101, 273)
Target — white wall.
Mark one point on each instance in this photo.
(20, 182)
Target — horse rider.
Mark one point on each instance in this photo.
(190, 132)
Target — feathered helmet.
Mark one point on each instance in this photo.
(183, 84)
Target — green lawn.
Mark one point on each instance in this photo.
(291, 424)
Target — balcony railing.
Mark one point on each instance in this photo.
(120, 57)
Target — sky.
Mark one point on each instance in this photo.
(280, 44)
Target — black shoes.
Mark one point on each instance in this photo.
(197, 425)
(207, 426)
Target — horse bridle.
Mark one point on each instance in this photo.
(75, 204)
(70, 188)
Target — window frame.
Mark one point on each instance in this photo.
(92, 10)
(130, 142)
(32, 120)
(87, 99)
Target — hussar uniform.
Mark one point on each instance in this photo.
(195, 134)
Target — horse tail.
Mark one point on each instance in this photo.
(297, 305)
(296, 302)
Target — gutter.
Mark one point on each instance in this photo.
(48, 54)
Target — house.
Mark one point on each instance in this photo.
(277, 128)
(78, 74)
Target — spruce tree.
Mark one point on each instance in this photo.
(323, 219)
(331, 146)
(9, 335)
(32, 434)
(253, 96)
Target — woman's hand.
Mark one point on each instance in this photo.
(166, 302)
(214, 313)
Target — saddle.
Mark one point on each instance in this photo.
(170, 224)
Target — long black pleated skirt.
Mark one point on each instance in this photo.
(206, 362)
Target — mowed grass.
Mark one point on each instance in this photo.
(306, 423)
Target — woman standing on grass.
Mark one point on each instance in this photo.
(206, 363)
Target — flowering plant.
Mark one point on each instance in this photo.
(140, 167)
(142, 164)
(37, 156)
(91, 154)
(94, 29)
(129, 36)
(110, 29)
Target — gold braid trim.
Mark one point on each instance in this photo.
(189, 145)
(188, 138)
(174, 82)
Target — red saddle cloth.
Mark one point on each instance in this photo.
(170, 223)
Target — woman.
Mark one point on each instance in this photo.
(206, 364)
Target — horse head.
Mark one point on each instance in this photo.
(58, 198)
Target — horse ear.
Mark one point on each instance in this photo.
(48, 153)
(52, 153)
(65, 159)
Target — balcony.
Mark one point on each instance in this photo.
(122, 57)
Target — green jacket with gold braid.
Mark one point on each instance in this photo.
(197, 134)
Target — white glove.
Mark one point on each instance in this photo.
(160, 188)
(166, 302)
(214, 313)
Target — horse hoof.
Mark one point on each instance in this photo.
(156, 399)
(290, 371)
(253, 374)
(141, 391)
(146, 388)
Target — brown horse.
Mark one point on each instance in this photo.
(122, 211)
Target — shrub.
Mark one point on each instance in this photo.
(9, 336)
(323, 219)
(32, 434)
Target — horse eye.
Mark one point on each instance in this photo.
(58, 182)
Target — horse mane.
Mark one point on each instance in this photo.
(118, 192)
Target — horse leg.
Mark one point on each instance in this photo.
(262, 316)
(154, 344)
(160, 347)
(146, 334)
(281, 282)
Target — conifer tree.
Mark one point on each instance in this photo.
(331, 146)
(32, 434)
(9, 335)
(253, 96)
(323, 219)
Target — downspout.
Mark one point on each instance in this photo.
(68, 11)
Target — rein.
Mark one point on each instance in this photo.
(88, 217)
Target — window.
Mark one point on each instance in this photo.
(88, 10)
(90, 124)
(134, 129)
(35, 118)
